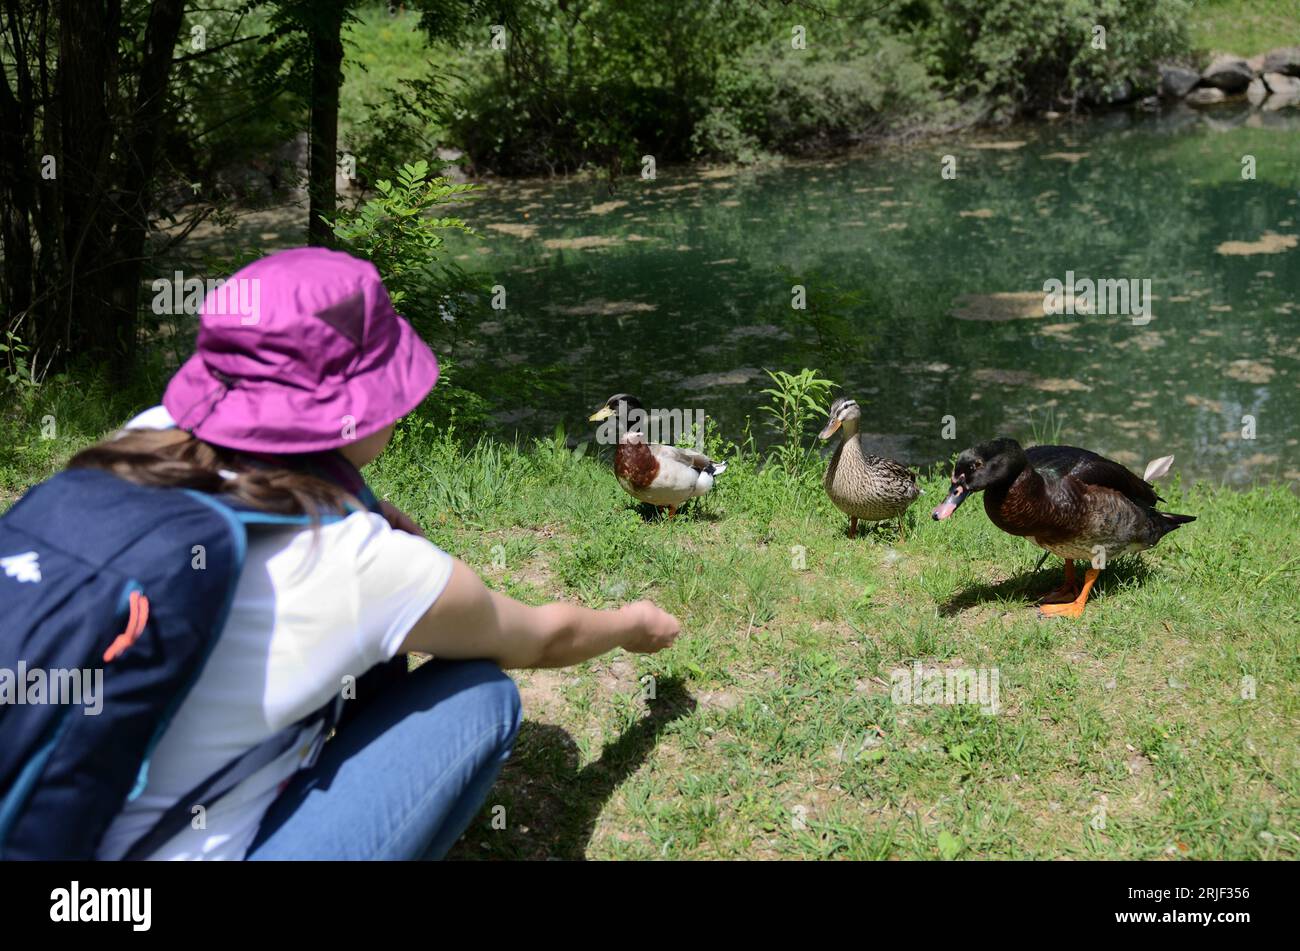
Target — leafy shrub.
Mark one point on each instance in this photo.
(402, 124)
(840, 91)
(1040, 52)
(590, 82)
(795, 400)
(396, 233)
(16, 370)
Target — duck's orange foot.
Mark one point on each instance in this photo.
(1072, 609)
(1065, 594)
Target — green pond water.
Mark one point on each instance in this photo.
(679, 290)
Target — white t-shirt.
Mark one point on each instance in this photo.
(307, 612)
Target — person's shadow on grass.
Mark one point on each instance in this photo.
(550, 803)
(1029, 586)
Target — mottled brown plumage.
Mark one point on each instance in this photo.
(862, 485)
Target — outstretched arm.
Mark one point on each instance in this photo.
(470, 621)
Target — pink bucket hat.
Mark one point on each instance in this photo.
(299, 352)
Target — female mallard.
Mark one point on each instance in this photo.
(662, 476)
(1072, 502)
(861, 485)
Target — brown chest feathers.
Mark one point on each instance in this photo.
(1032, 507)
(635, 464)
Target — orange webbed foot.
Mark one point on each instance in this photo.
(1073, 609)
(1068, 590)
(1065, 594)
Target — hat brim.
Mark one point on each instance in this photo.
(268, 416)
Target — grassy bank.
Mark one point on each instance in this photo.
(1244, 27)
(773, 732)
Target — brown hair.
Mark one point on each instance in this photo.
(173, 458)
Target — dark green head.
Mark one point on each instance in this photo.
(611, 407)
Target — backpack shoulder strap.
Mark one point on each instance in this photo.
(213, 787)
(181, 812)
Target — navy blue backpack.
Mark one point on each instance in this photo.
(103, 578)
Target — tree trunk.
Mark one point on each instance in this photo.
(326, 78)
(141, 149)
(88, 36)
(107, 170)
(16, 187)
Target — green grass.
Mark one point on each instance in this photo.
(1244, 27)
(773, 732)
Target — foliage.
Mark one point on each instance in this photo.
(849, 84)
(398, 126)
(396, 233)
(1016, 53)
(231, 115)
(595, 82)
(16, 369)
(590, 82)
(794, 401)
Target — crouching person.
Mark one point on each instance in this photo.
(249, 603)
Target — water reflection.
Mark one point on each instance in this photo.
(679, 289)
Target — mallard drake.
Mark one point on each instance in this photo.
(1071, 502)
(861, 485)
(662, 476)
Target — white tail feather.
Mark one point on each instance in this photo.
(1157, 467)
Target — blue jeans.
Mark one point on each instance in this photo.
(405, 777)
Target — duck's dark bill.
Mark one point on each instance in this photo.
(956, 496)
